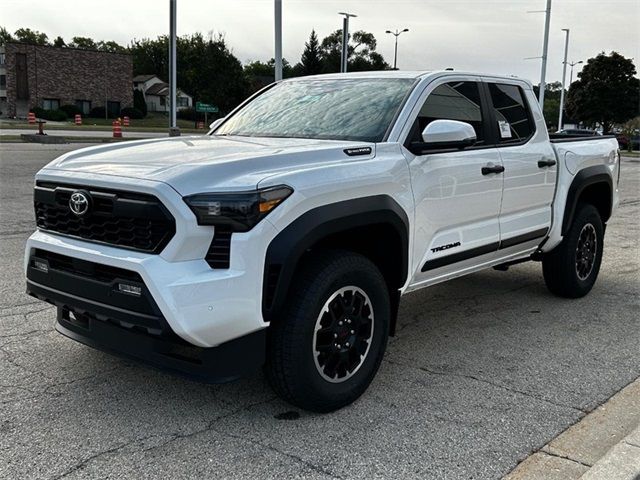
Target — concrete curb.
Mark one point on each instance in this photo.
(622, 462)
(605, 443)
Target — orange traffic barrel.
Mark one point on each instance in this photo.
(32, 117)
(117, 130)
(126, 121)
(78, 119)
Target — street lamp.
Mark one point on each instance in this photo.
(395, 54)
(564, 76)
(345, 40)
(572, 64)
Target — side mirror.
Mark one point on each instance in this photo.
(216, 122)
(448, 134)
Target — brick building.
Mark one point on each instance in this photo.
(48, 77)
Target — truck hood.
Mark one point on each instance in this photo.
(205, 163)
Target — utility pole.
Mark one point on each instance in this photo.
(174, 131)
(564, 74)
(345, 41)
(545, 49)
(395, 54)
(278, 39)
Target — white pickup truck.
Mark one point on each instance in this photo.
(286, 236)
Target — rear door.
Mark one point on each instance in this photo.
(529, 163)
(456, 205)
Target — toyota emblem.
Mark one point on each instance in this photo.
(79, 203)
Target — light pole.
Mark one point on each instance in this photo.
(572, 64)
(173, 129)
(395, 54)
(278, 39)
(545, 48)
(564, 75)
(345, 41)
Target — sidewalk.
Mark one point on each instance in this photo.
(604, 445)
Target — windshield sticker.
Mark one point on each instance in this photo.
(505, 129)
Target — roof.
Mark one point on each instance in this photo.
(143, 78)
(407, 74)
(161, 89)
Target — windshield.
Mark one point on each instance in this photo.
(344, 109)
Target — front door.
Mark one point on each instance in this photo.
(457, 204)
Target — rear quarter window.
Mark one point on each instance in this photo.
(512, 113)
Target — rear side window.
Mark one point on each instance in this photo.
(452, 101)
(512, 113)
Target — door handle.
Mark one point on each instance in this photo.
(546, 163)
(492, 169)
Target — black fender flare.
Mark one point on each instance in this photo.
(583, 179)
(287, 248)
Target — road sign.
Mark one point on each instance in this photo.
(205, 107)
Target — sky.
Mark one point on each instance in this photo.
(492, 36)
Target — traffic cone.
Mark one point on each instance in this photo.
(117, 130)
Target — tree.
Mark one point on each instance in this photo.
(206, 68)
(110, 46)
(361, 52)
(139, 103)
(261, 69)
(33, 37)
(5, 36)
(606, 92)
(59, 42)
(84, 43)
(311, 61)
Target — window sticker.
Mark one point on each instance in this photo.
(505, 129)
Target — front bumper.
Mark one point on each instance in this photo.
(92, 311)
(203, 306)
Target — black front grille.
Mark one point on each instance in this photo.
(124, 219)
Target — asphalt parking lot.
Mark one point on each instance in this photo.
(483, 371)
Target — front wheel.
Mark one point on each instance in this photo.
(327, 347)
(571, 269)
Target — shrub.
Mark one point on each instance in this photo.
(188, 114)
(97, 112)
(53, 115)
(139, 103)
(71, 110)
(131, 112)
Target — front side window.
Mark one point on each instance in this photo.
(452, 101)
(512, 113)
(50, 104)
(338, 109)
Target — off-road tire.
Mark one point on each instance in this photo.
(292, 362)
(565, 270)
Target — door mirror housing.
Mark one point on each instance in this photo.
(216, 122)
(448, 134)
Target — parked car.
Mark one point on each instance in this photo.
(287, 235)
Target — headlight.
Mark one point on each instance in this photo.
(239, 210)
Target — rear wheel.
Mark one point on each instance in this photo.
(327, 347)
(571, 269)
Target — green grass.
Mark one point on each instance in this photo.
(634, 154)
